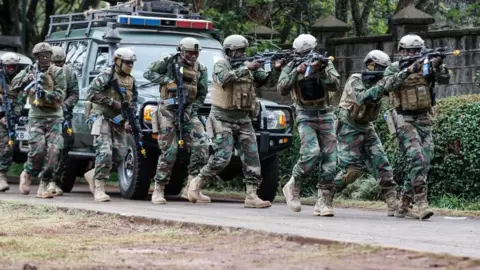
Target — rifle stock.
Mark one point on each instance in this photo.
(181, 99)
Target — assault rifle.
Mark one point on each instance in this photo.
(128, 114)
(425, 57)
(266, 58)
(372, 76)
(181, 100)
(8, 106)
(67, 115)
(37, 83)
(310, 58)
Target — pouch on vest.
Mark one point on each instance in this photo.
(97, 126)
(311, 89)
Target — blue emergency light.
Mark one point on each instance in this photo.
(164, 22)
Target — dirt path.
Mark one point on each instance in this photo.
(47, 238)
(460, 237)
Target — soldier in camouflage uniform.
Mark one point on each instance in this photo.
(58, 59)
(412, 100)
(45, 118)
(358, 143)
(195, 83)
(229, 124)
(109, 134)
(9, 61)
(315, 121)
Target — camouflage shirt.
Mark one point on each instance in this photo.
(224, 72)
(288, 78)
(161, 72)
(56, 95)
(72, 88)
(97, 93)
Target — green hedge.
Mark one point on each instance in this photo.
(456, 165)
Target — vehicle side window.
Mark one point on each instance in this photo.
(101, 58)
(76, 54)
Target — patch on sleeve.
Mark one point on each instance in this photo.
(99, 81)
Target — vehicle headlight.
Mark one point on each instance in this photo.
(148, 113)
(275, 119)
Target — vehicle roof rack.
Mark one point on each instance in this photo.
(99, 18)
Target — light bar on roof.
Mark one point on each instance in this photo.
(164, 22)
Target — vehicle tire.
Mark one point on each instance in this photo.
(67, 175)
(133, 178)
(177, 178)
(270, 178)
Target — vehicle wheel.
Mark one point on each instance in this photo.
(67, 175)
(179, 174)
(270, 178)
(132, 185)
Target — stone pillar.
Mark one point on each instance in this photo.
(410, 20)
(329, 27)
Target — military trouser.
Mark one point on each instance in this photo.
(225, 136)
(110, 146)
(414, 134)
(356, 149)
(195, 140)
(67, 145)
(318, 144)
(45, 144)
(6, 151)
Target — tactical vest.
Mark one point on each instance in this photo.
(190, 80)
(309, 91)
(125, 82)
(48, 86)
(413, 95)
(237, 95)
(361, 113)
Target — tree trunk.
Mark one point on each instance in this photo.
(9, 19)
(49, 10)
(341, 10)
(360, 18)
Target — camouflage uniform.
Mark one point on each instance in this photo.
(6, 150)
(315, 123)
(195, 78)
(109, 138)
(358, 143)
(229, 124)
(69, 103)
(44, 124)
(413, 123)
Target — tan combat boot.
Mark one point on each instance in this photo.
(424, 211)
(100, 195)
(291, 191)
(89, 177)
(25, 182)
(202, 197)
(43, 191)
(3, 182)
(252, 200)
(390, 197)
(194, 191)
(54, 189)
(158, 196)
(323, 206)
(404, 209)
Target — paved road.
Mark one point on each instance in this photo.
(438, 235)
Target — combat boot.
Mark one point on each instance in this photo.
(100, 195)
(194, 191)
(202, 197)
(54, 189)
(158, 196)
(89, 177)
(43, 191)
(3, 182)
(424, 211)
(25, 181)
(404, 209)
(323, 206)
(390, 196)
(291, 191)
(252, 200)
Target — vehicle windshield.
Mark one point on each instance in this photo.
(147, 54)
